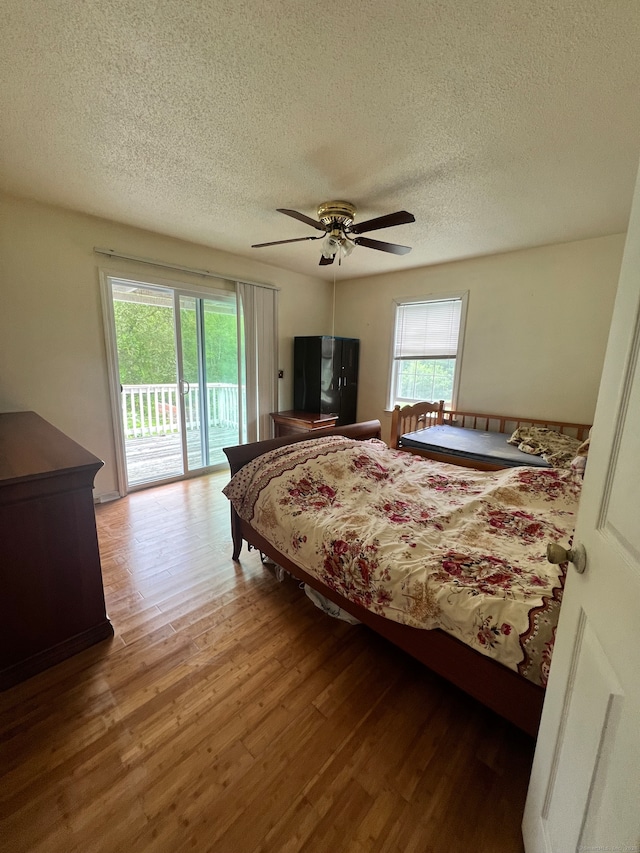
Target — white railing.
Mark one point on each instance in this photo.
(154, 409)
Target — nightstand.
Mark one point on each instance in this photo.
(293, 422)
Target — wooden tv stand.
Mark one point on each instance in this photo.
(51, 595)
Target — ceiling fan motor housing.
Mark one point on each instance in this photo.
(340, 213)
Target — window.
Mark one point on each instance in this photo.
(426, 350)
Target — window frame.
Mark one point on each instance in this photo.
(463, 296)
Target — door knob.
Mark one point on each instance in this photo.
(577, 555)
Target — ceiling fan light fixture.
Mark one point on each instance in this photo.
(331, 243)
(346, 247)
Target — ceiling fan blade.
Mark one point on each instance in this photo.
(325, 261)
(400, 217)
(301, 216)
(280, 242)
(393, 248)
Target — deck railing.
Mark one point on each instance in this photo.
(154, 409)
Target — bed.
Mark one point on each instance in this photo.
(445, 562)
(480, 441)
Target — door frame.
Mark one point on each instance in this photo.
(178, 288)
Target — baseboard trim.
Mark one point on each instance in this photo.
(17, 672)
(106, 497)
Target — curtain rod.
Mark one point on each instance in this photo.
(111, 253)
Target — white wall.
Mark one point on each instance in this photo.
(536, 332)
(52, 350)
(536, 328)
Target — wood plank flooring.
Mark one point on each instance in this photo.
(228, 714)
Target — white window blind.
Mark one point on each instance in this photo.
(427, 329)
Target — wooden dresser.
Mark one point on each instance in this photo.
(294, 422)
(51, 595)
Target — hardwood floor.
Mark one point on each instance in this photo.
(228, 714)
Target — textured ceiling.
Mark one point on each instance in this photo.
(499, 124)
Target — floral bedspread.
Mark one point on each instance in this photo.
(422, 543)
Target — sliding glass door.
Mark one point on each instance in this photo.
(176, 354)
(209, 347)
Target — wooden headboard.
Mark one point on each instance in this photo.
(410, 418)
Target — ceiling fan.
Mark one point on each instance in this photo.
(340, 235)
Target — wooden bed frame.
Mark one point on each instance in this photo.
(491, 683)
(423, 415)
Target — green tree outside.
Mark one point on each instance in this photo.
(426, 379)
(146, 347)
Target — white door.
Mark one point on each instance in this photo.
(584, 793)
